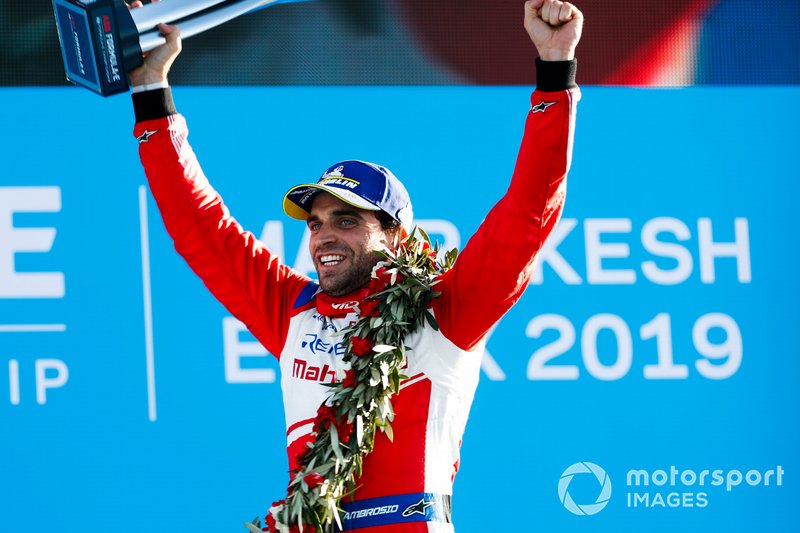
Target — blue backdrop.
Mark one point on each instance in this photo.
(647, 380)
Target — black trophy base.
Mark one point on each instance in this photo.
(99, 43)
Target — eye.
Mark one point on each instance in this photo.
(347, 222)
(314, 226)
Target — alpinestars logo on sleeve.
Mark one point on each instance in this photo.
(145, 137)
(541, 107)
(418, 508)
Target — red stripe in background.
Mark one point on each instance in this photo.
(485, 42)
(664, 56)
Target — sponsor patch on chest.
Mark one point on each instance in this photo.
(302, 369)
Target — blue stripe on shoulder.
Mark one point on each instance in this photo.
(306, 295)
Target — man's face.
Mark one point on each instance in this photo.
(343, 239)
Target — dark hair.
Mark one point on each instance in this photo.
(386, 220)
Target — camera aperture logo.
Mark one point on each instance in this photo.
(582, 469)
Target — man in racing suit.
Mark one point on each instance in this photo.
(406, 483)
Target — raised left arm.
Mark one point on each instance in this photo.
(495, 267)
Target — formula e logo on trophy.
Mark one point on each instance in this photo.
(581, 469)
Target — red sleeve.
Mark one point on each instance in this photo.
(235, 266)
(495, 266)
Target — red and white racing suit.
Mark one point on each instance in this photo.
(406, 484)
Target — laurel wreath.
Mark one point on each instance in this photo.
(361, 404)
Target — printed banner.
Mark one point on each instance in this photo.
(646, 381)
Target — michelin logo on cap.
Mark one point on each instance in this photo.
(336, 178)
(341, 182)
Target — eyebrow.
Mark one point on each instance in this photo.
(338, 213)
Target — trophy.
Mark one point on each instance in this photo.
(102, 40)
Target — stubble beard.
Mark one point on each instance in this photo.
(354, 278)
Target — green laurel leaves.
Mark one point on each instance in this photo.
(361, 405)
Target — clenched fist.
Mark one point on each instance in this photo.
(554, 27)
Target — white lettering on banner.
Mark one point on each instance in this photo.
(303, 262)
(490, 367)
(650, 232)
(729, 351)
(549, 254)
(272, 237)
(13, 381)
(233, 351)
(739, 248)
(661, 328)
(596, 250)
(537, 365)
(661, 237)
(43, 382)
(445, 228)
(727, 355)
(49, 374)
(488, 364)
(13, 240)
(591, 358)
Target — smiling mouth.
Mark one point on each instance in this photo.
(331, 260)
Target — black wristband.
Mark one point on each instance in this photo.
(154, 104)
(554, 76)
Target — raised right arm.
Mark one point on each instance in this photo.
(235, 266)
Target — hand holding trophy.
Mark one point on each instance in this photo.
(102, 40)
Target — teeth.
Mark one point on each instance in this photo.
(330, 260)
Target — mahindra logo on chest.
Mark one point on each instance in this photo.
(302, 370)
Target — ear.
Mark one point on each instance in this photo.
(395, 236)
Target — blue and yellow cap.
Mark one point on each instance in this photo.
(360, 184)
